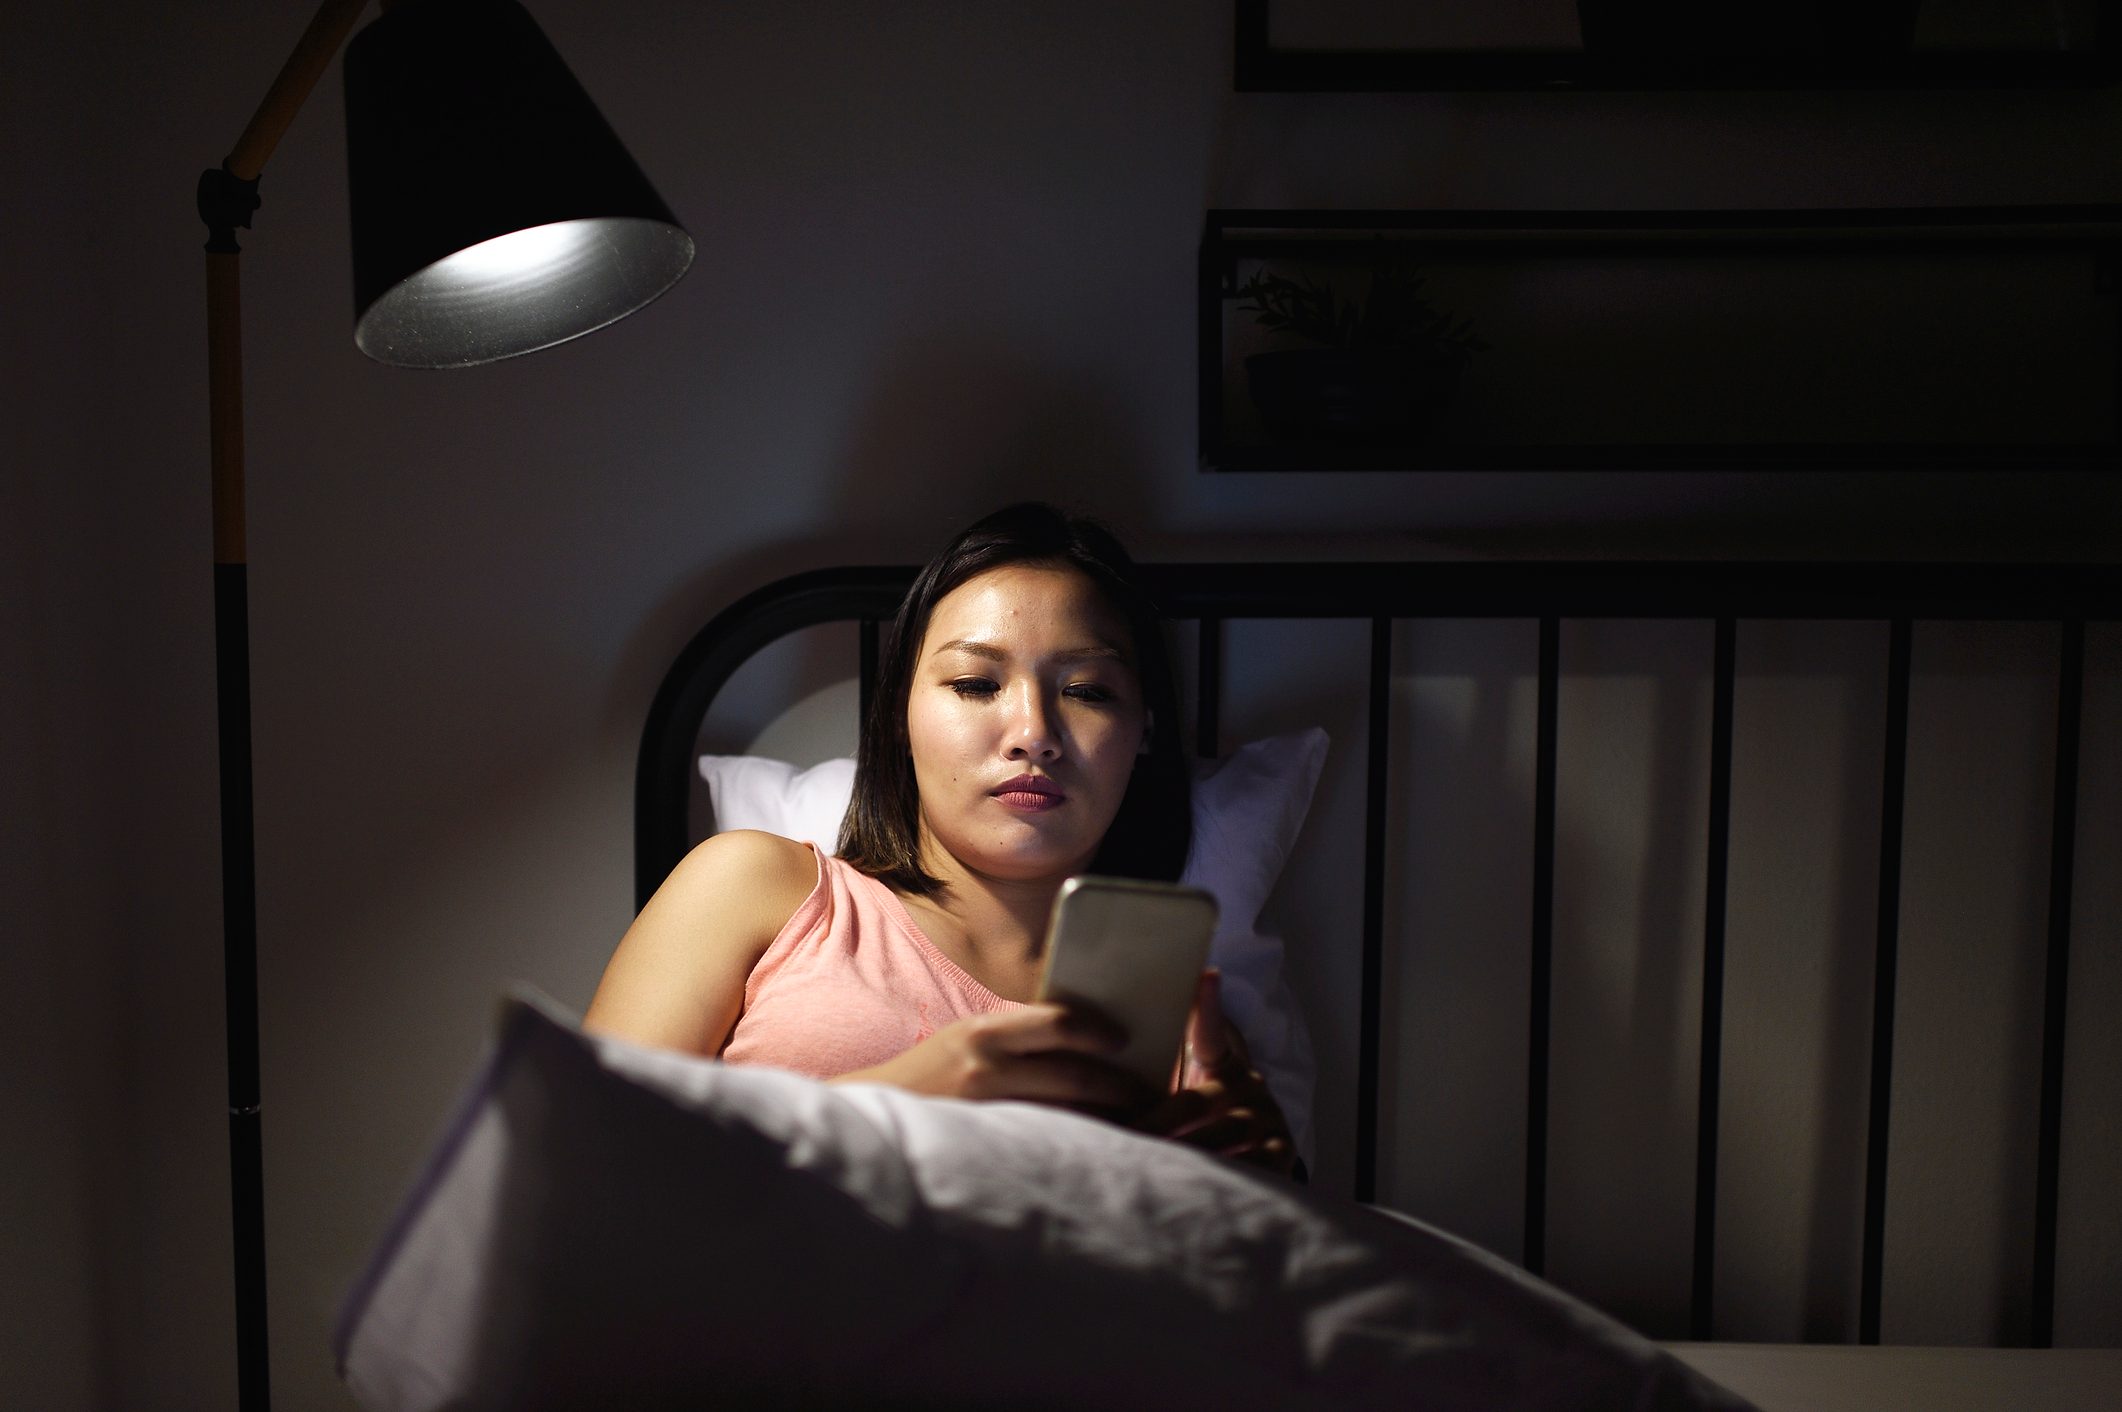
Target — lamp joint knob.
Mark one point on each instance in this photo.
(225, 202)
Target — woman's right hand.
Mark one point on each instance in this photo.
(1040, 1053)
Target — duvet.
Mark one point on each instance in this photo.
(606, 1225)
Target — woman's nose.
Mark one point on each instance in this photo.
(1031, 729)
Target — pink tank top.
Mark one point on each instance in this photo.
(850, 981)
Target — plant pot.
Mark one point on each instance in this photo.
(1351, 396)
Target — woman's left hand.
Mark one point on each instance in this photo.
(1223, 1104)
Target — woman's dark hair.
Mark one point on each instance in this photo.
(1150, 833)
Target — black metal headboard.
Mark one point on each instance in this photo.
(1725, 593)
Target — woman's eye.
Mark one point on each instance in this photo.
(981, 688)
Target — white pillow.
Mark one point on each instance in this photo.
(1247, 810)
(610, 1226)
(753, 792)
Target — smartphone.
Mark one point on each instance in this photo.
(1133, 951)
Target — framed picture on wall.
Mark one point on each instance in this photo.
(1380, 45)
(1400, 340)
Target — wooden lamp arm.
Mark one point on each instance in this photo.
(327, 31)
(227, 196)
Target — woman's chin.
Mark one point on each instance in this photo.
(1026, 859)
(1034, 868)
(1024, 847)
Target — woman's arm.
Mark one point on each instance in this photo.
(677, 982)
(1040, 1053)
(677, 979)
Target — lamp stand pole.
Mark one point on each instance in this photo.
(227, 196)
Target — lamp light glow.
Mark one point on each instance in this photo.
(518, 257)
(523, 291)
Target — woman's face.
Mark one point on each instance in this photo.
(1024, 720)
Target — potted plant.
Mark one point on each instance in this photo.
(1368, 371)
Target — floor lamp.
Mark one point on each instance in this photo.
(494, 213)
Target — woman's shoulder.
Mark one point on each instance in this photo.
(759, 872)
(677, 979)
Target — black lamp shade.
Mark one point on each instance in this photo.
(494, 210)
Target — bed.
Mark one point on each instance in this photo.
(1503, 733)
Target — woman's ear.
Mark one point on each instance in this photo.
(1149, 726)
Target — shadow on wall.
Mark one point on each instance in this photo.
(1630, 827)
(1835, 1221)
(1629, 898)
(1865, 516)
(1625, 986)
(954, 427)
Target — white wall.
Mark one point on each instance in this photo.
(945, 259)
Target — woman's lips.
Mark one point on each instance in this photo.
(1030, 794)
(1029, 801)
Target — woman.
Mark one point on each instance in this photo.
(1022, 730)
